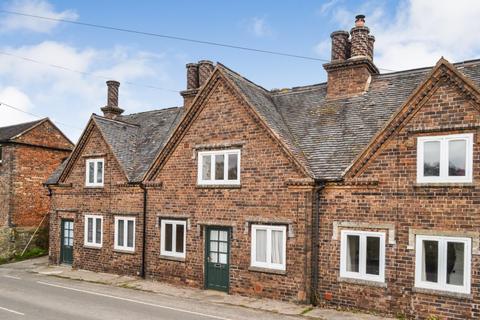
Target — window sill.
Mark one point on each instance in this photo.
(370, 283)
(444, 185)
(124, 251)
(219, 186)
(457, 295)
(93, 187)
(267, 270)
(178, 259)
(86, 246)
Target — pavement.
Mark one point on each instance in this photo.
(34, 290)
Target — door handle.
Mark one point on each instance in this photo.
(218, 265)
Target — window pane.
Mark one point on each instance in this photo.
(91, 171)
(213, 235)
(222, 247)
(89, 230)
(168, 237)
(222, 258)
(431, 159)
(120, 232)
(457, 151)
(99, 172)
(206, 167)
(277, 247)
(455, 263)
(222, 235)
(261, 246)
(373, 255)
(98, 231)
(430, 261)
(179, 243)
(214, 246)
(232, 167)
(130, 234)
(353, 250)
(219, 166)
(213, 257)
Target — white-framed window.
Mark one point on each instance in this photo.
(443, 263)
(269, 247)
(124, 233)
(220, 167)
(445, 158)
(94, 172)
(362, 255)
(173, 238)
(93, 231)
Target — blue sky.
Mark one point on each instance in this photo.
(408, 34)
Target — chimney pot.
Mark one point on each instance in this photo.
(205, 69)
(111, 110)
(192, 76)
(340, 45)
(359, 20)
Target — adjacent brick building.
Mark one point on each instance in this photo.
(361, 192)
(29, 153)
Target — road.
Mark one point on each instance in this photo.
(25, 295)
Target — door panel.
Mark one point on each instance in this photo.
(66, 247)
(217, 258)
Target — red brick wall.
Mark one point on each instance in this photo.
(398, 200)
(113, 199)
(24, 170)
(264, 194)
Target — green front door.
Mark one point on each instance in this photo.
(217, 258)
(66, 248)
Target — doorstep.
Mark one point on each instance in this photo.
(211, 296)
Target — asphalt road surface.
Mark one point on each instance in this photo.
(25, 295)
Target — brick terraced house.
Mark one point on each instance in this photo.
(361, 192)
(29, 153)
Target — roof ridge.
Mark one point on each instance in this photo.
(25, 123)
(242, 77)
(115, 120)
(153, 110)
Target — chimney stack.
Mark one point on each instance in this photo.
(351, 67)
(197, 76)
(112, 110)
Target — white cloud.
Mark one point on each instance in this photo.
(327, 6)
(17, 98)
(259, 27)
(63, 95)
(33, 7)
(419, 32)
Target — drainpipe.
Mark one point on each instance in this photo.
(144, 233)
(315, 241)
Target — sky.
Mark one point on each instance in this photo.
(409, 34)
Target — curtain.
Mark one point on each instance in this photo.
(261, 245)
(277, 247)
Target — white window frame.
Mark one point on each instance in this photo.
(444, 145)
(125, 234)
(268, 264)
(174, 224)
(362, 260)
(442, 284)
(95, 172)
(212, 154)
(94, 231)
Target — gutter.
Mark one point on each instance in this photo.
(144, 232)
(320, 185)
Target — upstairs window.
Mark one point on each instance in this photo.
(443, 263)
(269, 247)
(173, 238)
(93, 231)
(445, 158)
(124, 234)
(94, 172)
(219, 167)
(362, 255)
